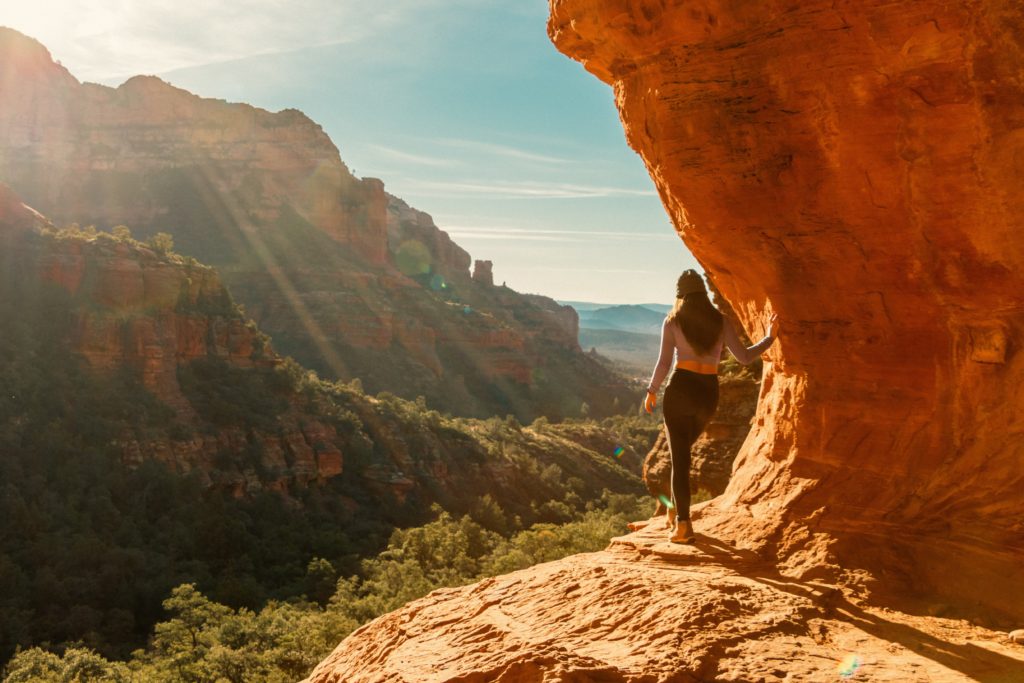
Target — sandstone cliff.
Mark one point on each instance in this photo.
(349, 280)
(852, 167)
(87, 153)
(131, 309)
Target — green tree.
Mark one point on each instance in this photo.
(162, 242)
(321, 579)
(122, 233)
(76, 666)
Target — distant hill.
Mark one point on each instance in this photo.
(630, 318)
(628, 334)
(660, 308)
(582, 306)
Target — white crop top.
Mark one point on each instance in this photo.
(674, 341)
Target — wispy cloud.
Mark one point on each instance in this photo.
(523, 190)
(540, 235)
(103, 40)
(502, 150)
(411, 158)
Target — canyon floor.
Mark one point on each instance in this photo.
(646, 610)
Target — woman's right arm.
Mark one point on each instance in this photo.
(746, 354)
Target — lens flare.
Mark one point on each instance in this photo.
(413, 258)
(467, 310)
(619, 450)
(437, 282)
(848, 666)
(667, 501)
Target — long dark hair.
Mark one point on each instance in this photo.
(699, 320)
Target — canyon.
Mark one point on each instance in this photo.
(348, 279)
(853, 167)
(236, 413)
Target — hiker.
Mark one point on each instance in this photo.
(696, 331)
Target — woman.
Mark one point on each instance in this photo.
(695, 331)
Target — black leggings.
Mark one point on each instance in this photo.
(690, 400)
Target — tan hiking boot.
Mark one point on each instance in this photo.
(683, 533)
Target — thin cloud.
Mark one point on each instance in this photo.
(562, 269)
(502, 150)
(408, 157)
(539, 235)
(101, 41)
(525, 190)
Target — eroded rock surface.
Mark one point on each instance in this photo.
(854, 167)
(133, 310)
(645, 610)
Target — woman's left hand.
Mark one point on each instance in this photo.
(650, 401)
(773, 326)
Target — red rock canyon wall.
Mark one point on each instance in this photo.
(855, 167)
(85, 152)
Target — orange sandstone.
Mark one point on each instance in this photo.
(647, 611)
(855, 168)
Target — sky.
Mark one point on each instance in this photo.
(462, 107)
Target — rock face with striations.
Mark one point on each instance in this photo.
(87, 153)
(853, 167)
(218, 403)
(131, 309)
(349, 280)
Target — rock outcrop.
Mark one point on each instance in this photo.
(854, 168)
(348, 279)
(483, 272)
(134, 310)
(646, 610)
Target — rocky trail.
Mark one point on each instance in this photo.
(646, 610)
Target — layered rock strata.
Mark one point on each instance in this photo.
(853, 167)
(87, 153)
(348, 279)
(134, 310)
(232, 413)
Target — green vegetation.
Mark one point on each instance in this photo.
(203, 641)
(91, 548)
(228, 396)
